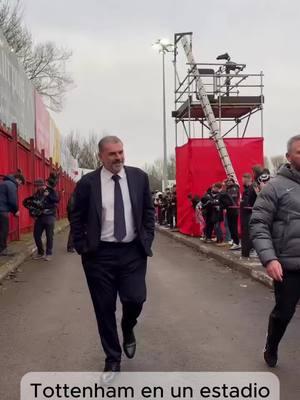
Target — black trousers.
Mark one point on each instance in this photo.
(116, 269)
(245, 237)
(287, 295)
(232, 218)
(4, 229)
(44, 223)
(70, 244)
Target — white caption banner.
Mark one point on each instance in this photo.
(151, 385)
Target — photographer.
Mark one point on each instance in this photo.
(42, 206)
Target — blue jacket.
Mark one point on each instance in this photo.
(9, 195)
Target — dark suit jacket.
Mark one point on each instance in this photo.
(86, 215)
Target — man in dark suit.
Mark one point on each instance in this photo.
(112, 223)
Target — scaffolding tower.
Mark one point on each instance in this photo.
(214, 99)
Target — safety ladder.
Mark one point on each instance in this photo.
(208, 111)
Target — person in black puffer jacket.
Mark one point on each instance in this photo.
(275, 232)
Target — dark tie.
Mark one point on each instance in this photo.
(119, 216)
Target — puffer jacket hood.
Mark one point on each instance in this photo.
(10, 178)
(288, 172)
(8, 194)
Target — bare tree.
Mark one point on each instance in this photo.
(88, 157)
(17, 36)
(44, 63)
(72, 143)
(267, 163)
(84, 150)
(155, 171)
(278, 161)
(45, 67)
(172, 167)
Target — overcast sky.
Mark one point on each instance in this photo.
(118, 74)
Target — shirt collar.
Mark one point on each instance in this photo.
(108, 175)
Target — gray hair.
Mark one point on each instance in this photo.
(291, 141)
(108, 139)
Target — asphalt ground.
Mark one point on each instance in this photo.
(200, 316)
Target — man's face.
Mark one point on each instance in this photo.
(294, 155)
(112, 157)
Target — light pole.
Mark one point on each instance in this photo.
(164, 46)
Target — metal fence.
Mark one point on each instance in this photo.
(16, 153)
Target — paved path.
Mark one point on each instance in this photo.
(200, 316)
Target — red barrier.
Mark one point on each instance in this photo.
(198, 166)
(16, 153)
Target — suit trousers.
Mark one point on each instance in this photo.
(116, 269)
(4, 229)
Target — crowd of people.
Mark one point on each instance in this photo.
(165, 204)
(42, 206)
(223, 211)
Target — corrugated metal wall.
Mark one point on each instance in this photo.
(16, 153)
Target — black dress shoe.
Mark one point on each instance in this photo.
(129, 344)
(271, 357)
(110, 372)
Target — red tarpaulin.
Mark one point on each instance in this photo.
(198, 166)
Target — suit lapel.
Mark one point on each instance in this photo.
(97, 194)
(132, 192)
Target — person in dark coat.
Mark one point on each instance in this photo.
(275, 232)
(213, 213)
(70, 205)
(8, 204)
(42, 205)
(247, 202)
(113, 224)
(230, 199)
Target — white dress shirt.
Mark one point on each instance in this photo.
(108, 195)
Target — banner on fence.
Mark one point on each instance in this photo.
(42, 126)
(16, 93)
(55, 142)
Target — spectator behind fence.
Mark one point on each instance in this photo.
(206, 210)
(247, 202)
(213, 213)
(275, 231)
(230, 201)
(8, 204)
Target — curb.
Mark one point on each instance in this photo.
(223, 256)
(14, 262)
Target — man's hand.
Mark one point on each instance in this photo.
(17, 214)
(274, 270)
